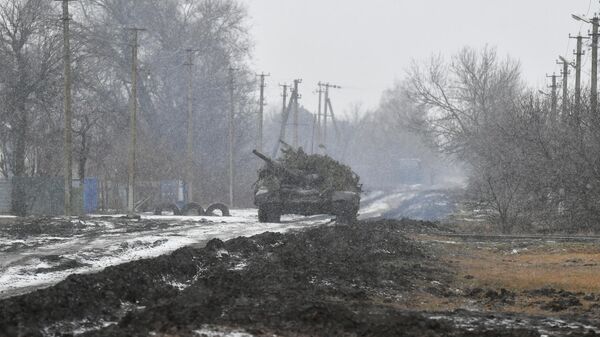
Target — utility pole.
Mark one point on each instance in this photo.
(324, 140)
(190, 127)
(133, 122)
(594, 85)
(283, 109)
(578, 54)
(231, 133)
(319, 128)
(296, 111)
(553, 96)
(316, 133)
(565, 89)
(68, 137)
(327, 105)
(285, 114)
(261, 107)
(337, 132)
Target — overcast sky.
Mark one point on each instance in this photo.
(365, 46)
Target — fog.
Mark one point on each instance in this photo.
(460, 113)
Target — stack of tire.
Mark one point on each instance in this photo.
(193, 208)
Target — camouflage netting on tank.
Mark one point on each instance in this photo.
(333, 175)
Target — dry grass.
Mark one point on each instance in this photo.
(516, 266)
(572, 267)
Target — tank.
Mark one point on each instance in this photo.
(299, 183)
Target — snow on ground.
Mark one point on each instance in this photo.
(414, 201)
(32, 261)
(39, 261)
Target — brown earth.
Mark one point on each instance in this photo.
(379, 278)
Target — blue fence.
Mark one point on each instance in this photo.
(90, 195)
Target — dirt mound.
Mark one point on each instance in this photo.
(325, 281)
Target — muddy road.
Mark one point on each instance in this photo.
(373, 278)
(37, 252)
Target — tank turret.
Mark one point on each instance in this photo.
(299, 183)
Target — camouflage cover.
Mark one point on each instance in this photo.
(305, 184)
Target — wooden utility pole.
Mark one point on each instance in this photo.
(296, 111)
(594, 84)
(261, 108)
(231, 133)
(190, 127)
(133, 122)
(68, 136)
(565, 88)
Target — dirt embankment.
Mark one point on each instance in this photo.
(329, 281)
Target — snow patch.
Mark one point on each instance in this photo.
(212, 331)
(106, 242)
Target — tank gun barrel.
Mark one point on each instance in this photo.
(263, 157)
(277, 166)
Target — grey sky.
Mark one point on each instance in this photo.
(366, 45)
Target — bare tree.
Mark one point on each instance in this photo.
(28, 47)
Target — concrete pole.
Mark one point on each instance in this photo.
(594, 84)
(190, 129)
(578, 55)
(231, 134)
(284, 108)
(296, 112)
(133, 123)
(554, 96)
(68, 138)
(325, 119)
(261, 109)
(565, 88)
(319, 128)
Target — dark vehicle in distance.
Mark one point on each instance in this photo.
(299, 183)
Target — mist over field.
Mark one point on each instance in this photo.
(299, 168)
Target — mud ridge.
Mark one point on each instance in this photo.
(326, 281)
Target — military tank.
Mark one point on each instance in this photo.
(299, 183)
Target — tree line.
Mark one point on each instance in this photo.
(530, 166)
(31, 91)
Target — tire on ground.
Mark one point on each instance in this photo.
(218, 206)
(192, 206)
(269, 213)
(167, 206)
(344, 213)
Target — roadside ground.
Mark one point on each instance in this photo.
(373, 278)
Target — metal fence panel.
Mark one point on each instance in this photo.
(90, 195)
(5, 196)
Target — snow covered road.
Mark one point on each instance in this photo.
(37, 255)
